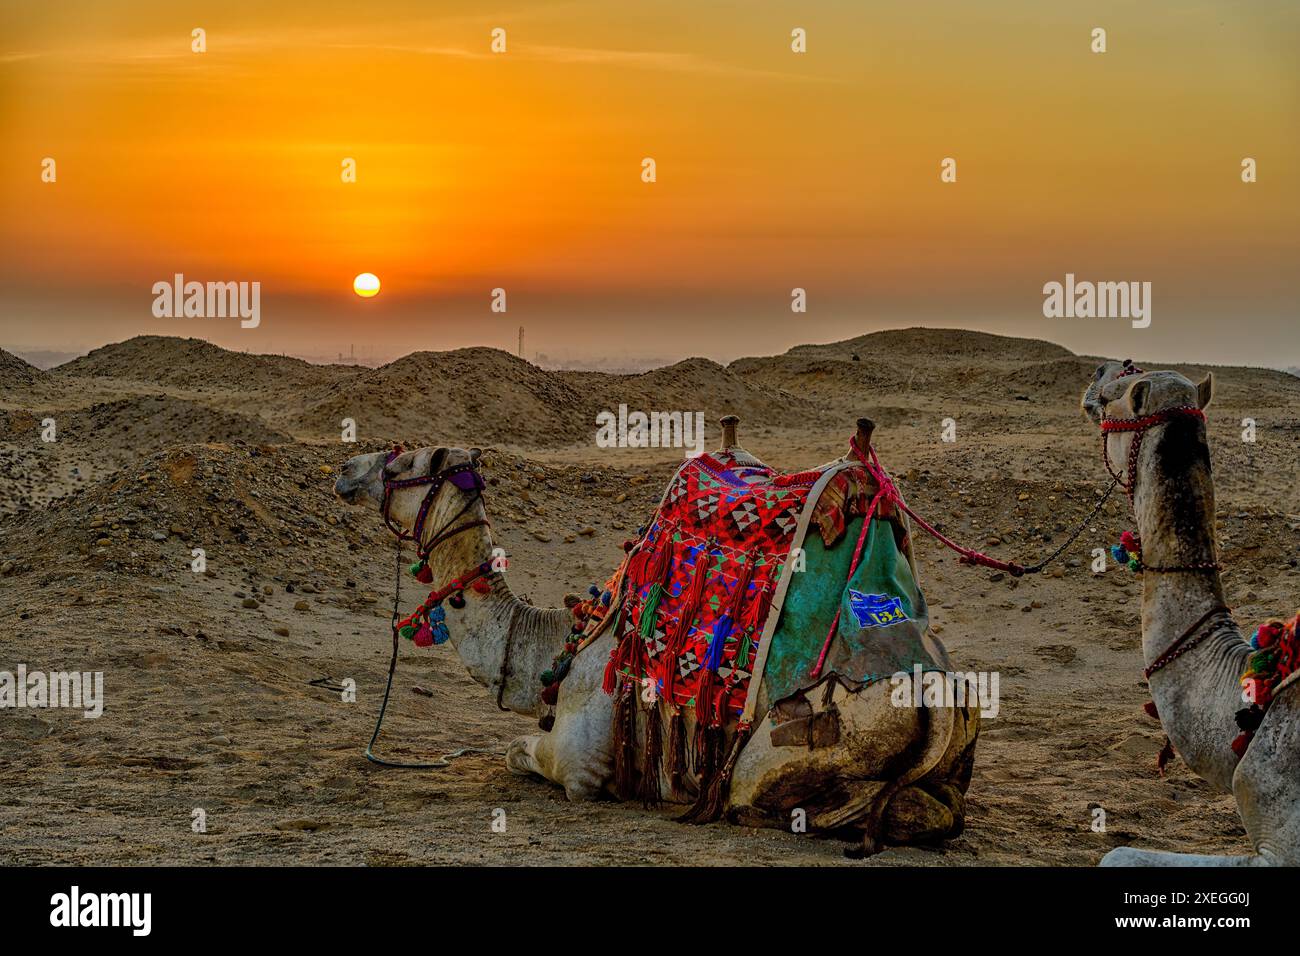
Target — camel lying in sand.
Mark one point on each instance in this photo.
(1194, 653)
(896, 774)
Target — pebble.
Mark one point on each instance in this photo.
(302, 606)
(281, 631)
(160, 535)
(250, 603)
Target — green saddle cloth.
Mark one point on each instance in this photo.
(884, 620)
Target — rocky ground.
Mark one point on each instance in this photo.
(166, 447)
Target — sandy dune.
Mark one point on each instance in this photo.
(167, 445)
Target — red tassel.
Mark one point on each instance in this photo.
(677, 640)
(610, 683)
(1241, 742)
(551, 693)
(1150, 708)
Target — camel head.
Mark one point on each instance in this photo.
(1118, 391)
(1176, 465)
(361, 482)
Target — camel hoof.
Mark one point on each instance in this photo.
(518, 760)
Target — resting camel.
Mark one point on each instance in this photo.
(896, 774)
(1153, 424)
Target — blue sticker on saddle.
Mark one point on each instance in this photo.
(876, 610)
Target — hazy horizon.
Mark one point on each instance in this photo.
(44, 356)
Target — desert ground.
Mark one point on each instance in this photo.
(165, 445)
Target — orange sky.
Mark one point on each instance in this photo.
(775, 170)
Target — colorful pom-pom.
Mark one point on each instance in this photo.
(457, 601)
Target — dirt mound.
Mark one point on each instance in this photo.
(463, 396)
(695, 384)
(917, 343)
(135, 426)
(196, 364)
(15, 373)
(243, 504)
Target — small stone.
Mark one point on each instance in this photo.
(281, 631)
(587, 532)
(622, 497)
(220, 739)
(250, 603)
(1023, 496)
(326, 470)
(330, 519)
(160, 535)
(302, 606)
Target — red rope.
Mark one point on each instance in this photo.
(889, 492)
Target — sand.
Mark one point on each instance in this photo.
(168, 445)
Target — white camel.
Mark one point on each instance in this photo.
(1193, 650)
(896, 774)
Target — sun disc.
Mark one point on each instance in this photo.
(366, 285)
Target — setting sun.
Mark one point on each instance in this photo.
(366, 285)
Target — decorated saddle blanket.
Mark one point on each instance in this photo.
(698, 587)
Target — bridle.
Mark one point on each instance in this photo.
(464, 476)
(1139, 426)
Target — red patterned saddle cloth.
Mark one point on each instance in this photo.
(699, 584)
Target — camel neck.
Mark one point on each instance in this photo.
(504, 642)
(1196, 694)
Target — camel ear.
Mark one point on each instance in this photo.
(1138, 395)
(1204, 390)
(475, 454)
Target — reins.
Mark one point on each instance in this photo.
(435, 482)
(967, 555)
